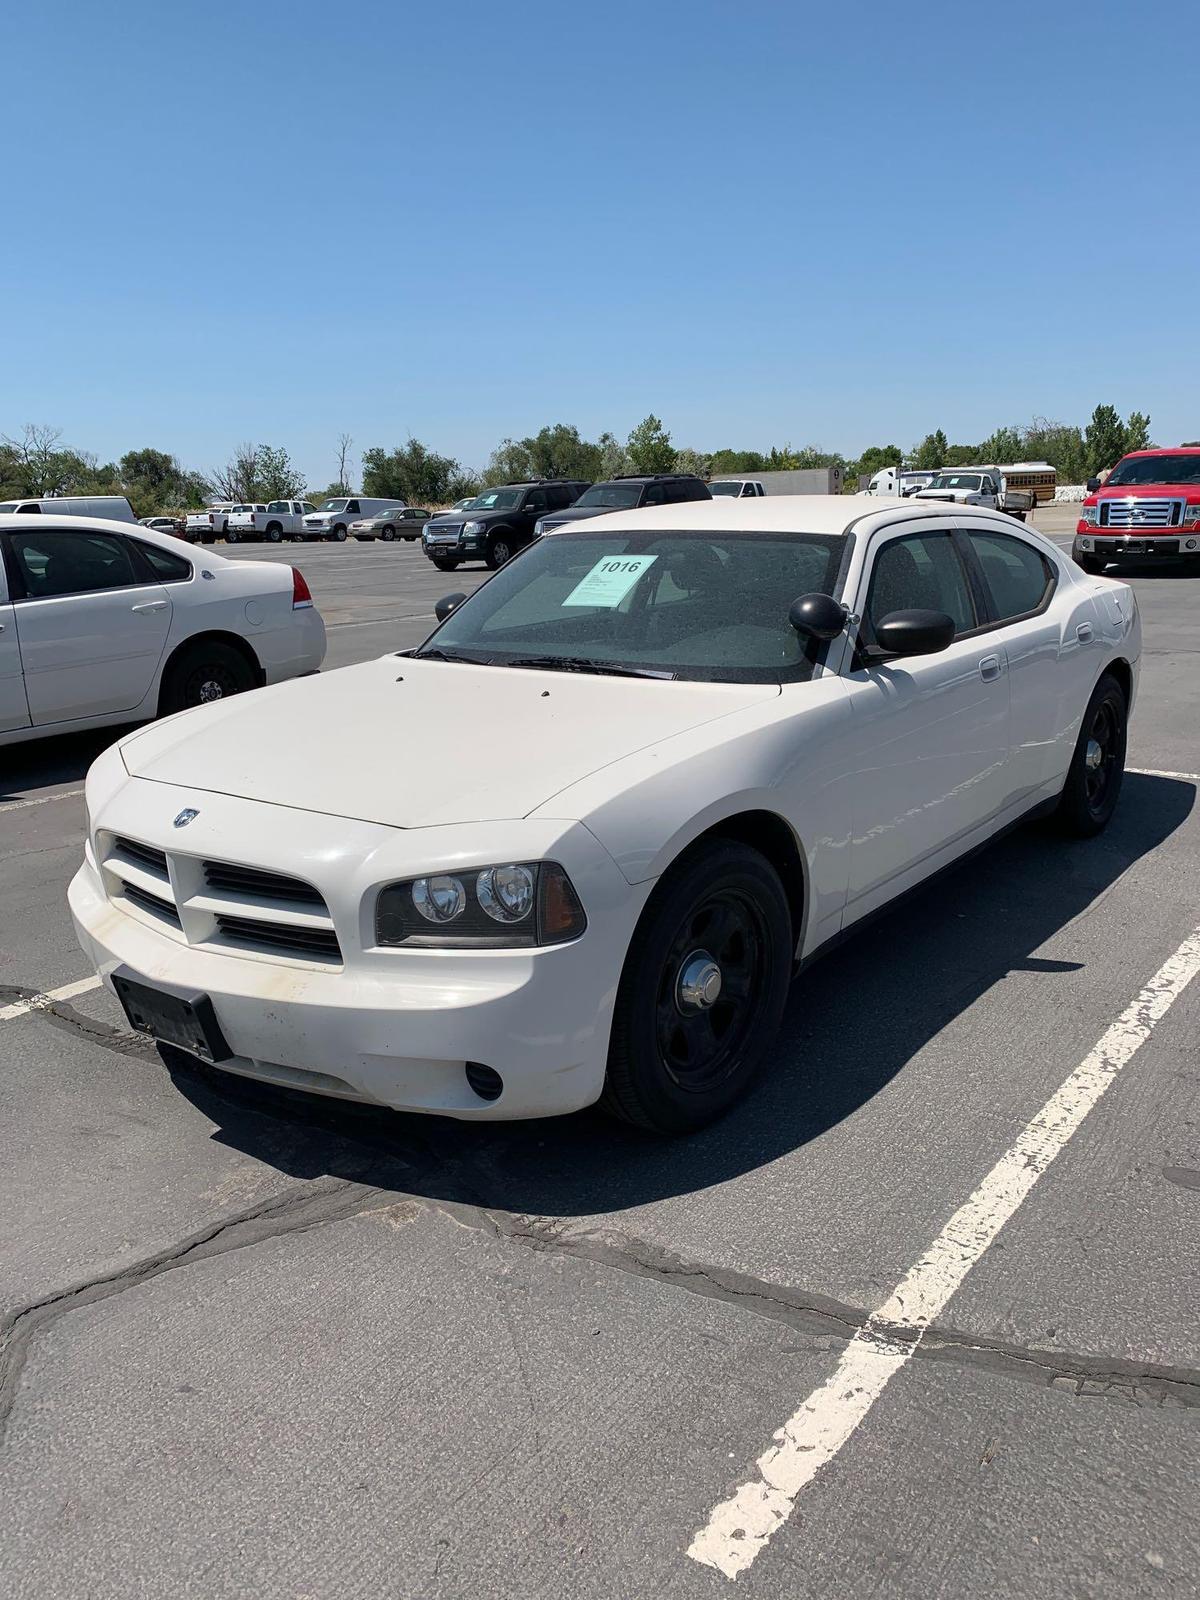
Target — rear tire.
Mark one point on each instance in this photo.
(1097, 768)
(678, 1059)
(274, 532)
(231, 537)
(203, 673)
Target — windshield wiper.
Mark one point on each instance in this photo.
(612, 669)
(437, 654)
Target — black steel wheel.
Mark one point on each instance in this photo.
(1093, 784)
(203, 673)
(702, 992)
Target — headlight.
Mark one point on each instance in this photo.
(472, 527)
(1192, 513)
(516, 903)
(1091, 514)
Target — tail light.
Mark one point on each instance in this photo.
(301, 594)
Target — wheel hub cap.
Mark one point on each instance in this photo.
(699, 983)
(210, 691)
(1095, 754)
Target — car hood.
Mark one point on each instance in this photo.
(581, 513)
(1144, 491)
(413, 744)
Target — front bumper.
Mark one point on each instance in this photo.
(1179, 544)
(397, 1027)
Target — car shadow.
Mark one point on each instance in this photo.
(41, 763)
(855, 1019)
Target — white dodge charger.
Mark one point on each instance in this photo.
(110, 622)
(575, 846)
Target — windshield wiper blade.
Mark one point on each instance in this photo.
(613, 669)
(437, 654)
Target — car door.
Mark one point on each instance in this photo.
(1052, 657)
(14, 709)
(933, 730)
(91, 621)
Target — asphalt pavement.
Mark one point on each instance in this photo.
(842, 1344)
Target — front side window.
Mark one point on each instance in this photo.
(59, 562)
(921, 572)
(656, 495)
(536, 500)
(1019, 577)
(720, 489)
(708, 607)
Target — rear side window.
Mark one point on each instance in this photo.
(165, 564)
(58, 562)
(1020, 578)
(922, 572)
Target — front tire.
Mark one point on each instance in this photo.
(388, 533)
(338, 533)
(1090, 564)
(202, 673)
(445, 565)
(1097, 768)
(500, 549)
(686, 1044)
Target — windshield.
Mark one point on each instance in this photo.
(733, 489)
(464, 505)
(618, 496)
(954, 480)
(334, 505)
(710, 607)
(496, 500)
(1155, 469)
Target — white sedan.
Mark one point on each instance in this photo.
(104, 623)
(575, 846)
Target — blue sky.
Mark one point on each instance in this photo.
(838, 225)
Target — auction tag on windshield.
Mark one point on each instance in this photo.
(609, 581)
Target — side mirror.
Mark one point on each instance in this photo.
(447, 604)
(1092, 485)
(817, 616)
(913, 633)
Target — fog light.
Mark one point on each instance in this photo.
(1189, 544)
(1086, 544)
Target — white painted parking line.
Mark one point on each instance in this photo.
(1153, 772)
(39, 1002)
(39, 800)
(738, 1528)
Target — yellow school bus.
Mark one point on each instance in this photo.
(1038, 478)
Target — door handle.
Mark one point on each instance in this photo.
(989, 668)
(1085, 633)
(149, 605)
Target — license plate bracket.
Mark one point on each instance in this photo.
(187, 1021)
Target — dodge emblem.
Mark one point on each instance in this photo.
(185, 816)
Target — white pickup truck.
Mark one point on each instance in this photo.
(207, 526)
(977, 486)
(278, 519)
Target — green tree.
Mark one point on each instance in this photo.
(412, 473)
(650, 448)
(1005, 444)
(1104, 440)
(873, 459)
(1059, 443)
(694, 461)
(559, 452)
(509, 462)
(614, 458)
(931, 452)
(737, 462)
(278, 479)
(1137, 431)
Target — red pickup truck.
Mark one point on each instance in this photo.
(1148, 509)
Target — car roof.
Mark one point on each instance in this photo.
(13, 521)
(782, 513)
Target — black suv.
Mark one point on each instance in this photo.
(497, 523)
(630, 492)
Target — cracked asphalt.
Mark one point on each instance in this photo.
(258, 1344)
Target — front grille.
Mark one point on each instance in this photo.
(321, 944)
(151, 902)
(443, 532)
(227, 878)
(142, 855)
(1135, 513)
